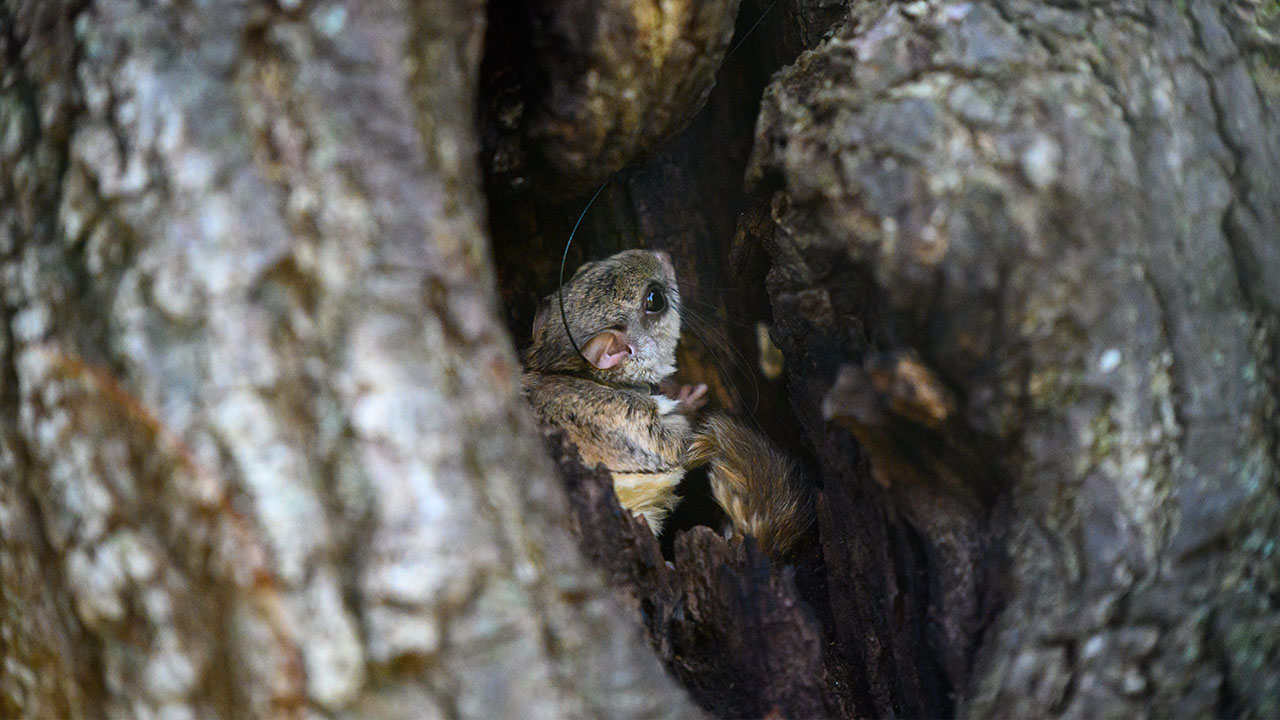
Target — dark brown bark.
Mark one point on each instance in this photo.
(686, 199)
(1022, 263)
(735, 632)
(580, 87)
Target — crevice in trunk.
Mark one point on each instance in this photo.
(852, 650)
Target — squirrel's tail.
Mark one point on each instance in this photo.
(758, 487)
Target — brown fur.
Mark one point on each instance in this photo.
(758, 487)
(609, 294)
(623, 429)
(612, 415)
(615, 420)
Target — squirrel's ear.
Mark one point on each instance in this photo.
(541, 317)
(583, 268)
(607, 349)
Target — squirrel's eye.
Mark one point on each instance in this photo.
(655, 301)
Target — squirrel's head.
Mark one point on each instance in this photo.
(624, 314)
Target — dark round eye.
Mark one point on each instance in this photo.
(655, 301)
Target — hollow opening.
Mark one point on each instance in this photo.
(686, 199)
(841, 630)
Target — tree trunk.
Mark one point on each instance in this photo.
(1021, 259)
(262, 448)
(1062, 226)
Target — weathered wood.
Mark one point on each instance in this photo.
(1031, 249)
(580, 87)
(686, 200)
(261, 448)
(730, 626)
(261, 451)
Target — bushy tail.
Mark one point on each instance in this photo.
(758, 487)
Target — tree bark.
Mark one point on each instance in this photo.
(580, 87)
(262, 448)
(1032, 252)
(1021, 262)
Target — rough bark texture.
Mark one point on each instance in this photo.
(686, 198)
(732, 629)
(580, 87)
(1060, 225)
(725, 622)
(261, 445)
(1022, 262)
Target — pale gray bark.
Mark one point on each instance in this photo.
(260, 439)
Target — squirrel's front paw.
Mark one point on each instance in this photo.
(690, 398)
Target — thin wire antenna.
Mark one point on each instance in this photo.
(747, 34)
(564, 319)
(564, 259)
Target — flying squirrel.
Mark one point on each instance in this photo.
(592, 369)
